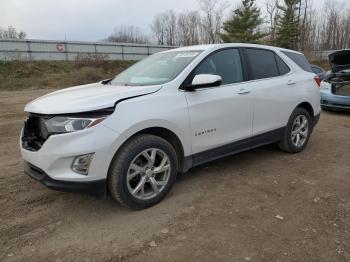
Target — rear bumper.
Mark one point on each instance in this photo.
(96, 188)
(334, 102)
(335, 107)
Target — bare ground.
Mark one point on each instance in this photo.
(262, 205)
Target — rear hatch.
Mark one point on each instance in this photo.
(340, 61)
(340, 77)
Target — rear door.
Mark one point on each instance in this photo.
(272, 84)
(224, 114)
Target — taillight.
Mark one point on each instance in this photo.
(318, 80)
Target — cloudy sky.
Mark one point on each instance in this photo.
(88, 20)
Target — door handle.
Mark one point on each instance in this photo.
(243, 91)
(291, 82)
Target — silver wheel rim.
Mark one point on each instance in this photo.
(148, 174)
(300, 131)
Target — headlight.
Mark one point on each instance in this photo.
(61, 124)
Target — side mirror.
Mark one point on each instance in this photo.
(205, 80)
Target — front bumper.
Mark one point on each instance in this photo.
(51, 165)
(335, 102)
(96, 188)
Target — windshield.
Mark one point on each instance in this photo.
(156, 69)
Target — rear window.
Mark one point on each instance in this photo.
(300, 60)
(262, 64)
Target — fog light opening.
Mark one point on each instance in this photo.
(81, 164)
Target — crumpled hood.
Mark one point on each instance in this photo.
(85, 98)
(340, 60)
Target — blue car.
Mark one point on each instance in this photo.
(335, 89)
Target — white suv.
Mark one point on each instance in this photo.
(174, 110)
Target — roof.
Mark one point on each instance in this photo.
(218, 46)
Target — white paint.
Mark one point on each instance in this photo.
(225, 112)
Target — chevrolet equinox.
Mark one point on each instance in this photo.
(129, 136)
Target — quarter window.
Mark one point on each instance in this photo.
(316, 70)
(225, 63)
(300, 60)
(262, 63)
(282, 67)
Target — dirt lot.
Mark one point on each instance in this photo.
(262, 205)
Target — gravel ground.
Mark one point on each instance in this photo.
(262, 205)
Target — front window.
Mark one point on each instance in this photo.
(225, 63)
(156, 69)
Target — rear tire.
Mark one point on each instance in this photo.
(143, 172)
(297, 133)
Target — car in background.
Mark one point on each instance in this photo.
(319, 71)
(335, 88)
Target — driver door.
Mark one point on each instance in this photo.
(220, 115)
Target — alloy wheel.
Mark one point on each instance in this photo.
(148, 174)
(300, 131)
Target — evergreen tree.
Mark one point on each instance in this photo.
(288, 25)
(243, 26)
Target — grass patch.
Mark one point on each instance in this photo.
(21, 75)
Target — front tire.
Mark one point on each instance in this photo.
(143, 172)
(297, 133)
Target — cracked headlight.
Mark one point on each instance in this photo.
(61, 124)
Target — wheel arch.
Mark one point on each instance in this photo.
(167, 135)
(308, 107)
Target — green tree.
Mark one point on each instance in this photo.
(288, 32)
(243, 26)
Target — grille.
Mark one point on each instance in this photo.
(34, 133)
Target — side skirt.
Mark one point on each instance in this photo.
(234, 148)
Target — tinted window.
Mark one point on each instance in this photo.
(282, 66)
(262, 64)
(225, 63)
(300, 60)
(316, 70)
